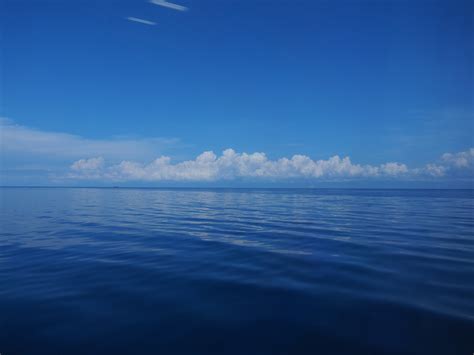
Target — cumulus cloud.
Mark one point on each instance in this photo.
(88, 164)
(434, 170)
(232, 165)
(459, 160)
(121, 159)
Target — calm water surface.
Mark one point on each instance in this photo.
(153, 271)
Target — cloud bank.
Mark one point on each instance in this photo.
(231, 165)
(28, 154)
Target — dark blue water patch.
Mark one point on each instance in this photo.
(171, 271)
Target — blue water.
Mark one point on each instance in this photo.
(176, 271)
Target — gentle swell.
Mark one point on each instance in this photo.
(236, 271)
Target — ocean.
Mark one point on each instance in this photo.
(236, 271)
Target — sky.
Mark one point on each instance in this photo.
(302, 93)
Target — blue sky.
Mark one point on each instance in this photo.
(377, 81)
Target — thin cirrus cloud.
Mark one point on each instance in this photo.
(142, 21)
(162, 3)
(231, 165)
(169, 5)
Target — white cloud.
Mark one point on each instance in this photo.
(394, 169)
(140, 20)
(169, 5)
(459, 160)
(434, 170)
(120, 160)
(21, 140)
(88, 164)
(232, 165)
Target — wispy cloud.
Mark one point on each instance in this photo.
(139, 20)
(21, 140)
(232, 165)
(169, 5)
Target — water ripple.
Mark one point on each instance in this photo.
(325, 263)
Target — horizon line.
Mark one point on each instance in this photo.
(230, 187)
